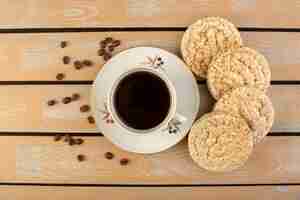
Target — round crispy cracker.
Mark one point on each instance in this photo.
(204, 39)
(220, 142)
(237, 68)
(251, 104)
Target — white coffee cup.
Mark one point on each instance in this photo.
(184, 100)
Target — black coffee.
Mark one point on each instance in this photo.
(142, 100)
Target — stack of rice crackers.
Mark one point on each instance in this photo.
(238, 78)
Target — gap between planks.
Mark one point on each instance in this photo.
(74, 82)
(128, 29)
(99, 134)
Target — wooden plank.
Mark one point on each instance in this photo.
(151, 13)
(39, 56)
(41, 160)
(286, 105)
(24, 108)
(149, 193)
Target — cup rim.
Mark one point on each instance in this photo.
(172, 107)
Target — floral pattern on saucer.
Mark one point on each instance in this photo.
(173, 126)
(106, 115)
(155, 62)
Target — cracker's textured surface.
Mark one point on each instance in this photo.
(237, 68)
(253, 105)
(205, 39)
(220, 142)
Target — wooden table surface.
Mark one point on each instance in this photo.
(33, 166)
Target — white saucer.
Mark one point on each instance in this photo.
(183, 88)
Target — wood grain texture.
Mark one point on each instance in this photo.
(39, 56)
(41, 160)
(24, 108)
(149, 193)
(150, 13)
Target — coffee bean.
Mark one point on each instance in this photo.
(66, 100)
(85, 108)
(87, 63)
(71, 141)
(91, 119)
(63, 44)
(60, 76)
(81, 157)
(109, 155)
(116, 43)
(111, 48)
(101, 52)
(57, 137)
(67, 138)
(75, 96)
(124, 161)
(66, 60)
(108, 39)
(103, 44)
(107, 56)
(51, 102)
(77, 64)
(78, 141)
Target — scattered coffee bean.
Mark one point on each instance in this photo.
(77, 64)
(101, 52)
(78, 141)
(111, 48)
(75, 96)
(109, 155)
(124, 161)
(71, 141)
(81, 158)
(108, 39)
(66, 60)
(91, 119)
(67, 138)
(103, 44)
(66, 100)
(51, 102)
(57, 137)
(108, 45)
(85, 108)
(107, 56)
(63, 44)
(60, 76)
(116, 43)
(87, 63)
